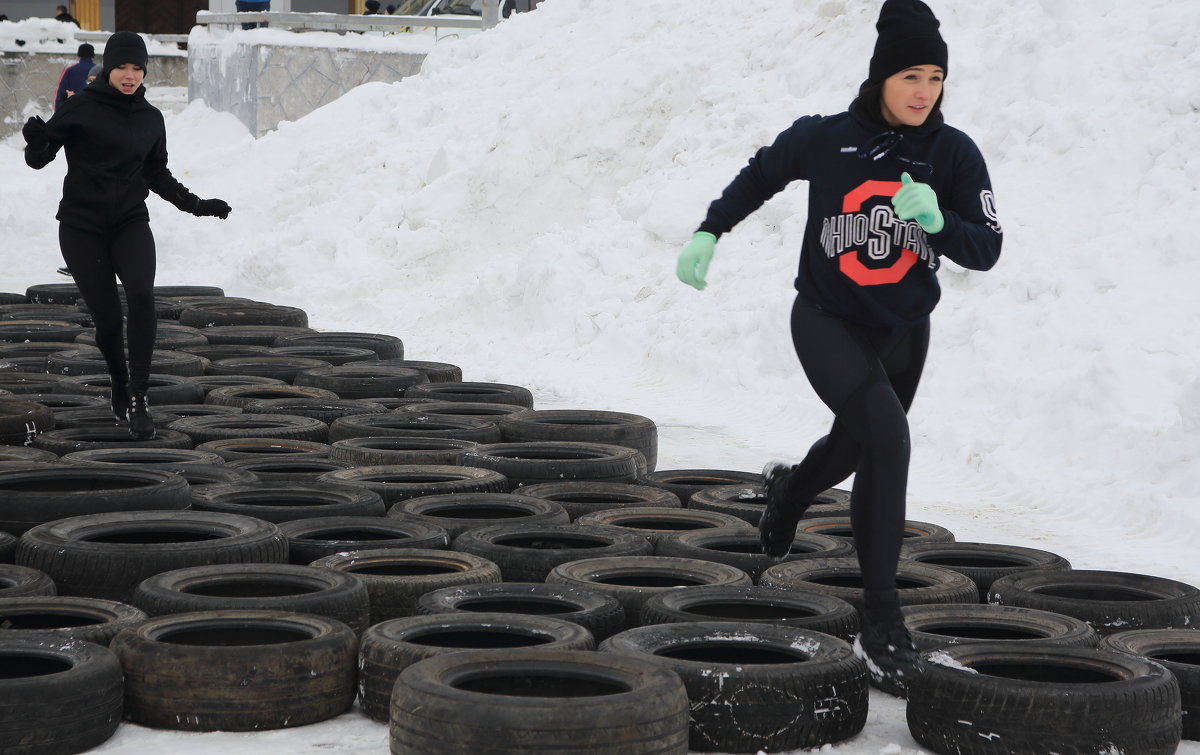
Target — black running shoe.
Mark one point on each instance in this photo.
(141, 427)
(777, 527)
(120, 400)
(885, 644)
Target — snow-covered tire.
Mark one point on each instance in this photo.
(528, 552)
(600, 614)
(984, 563)
(529, 701)
(741, 547)
(581, 497)
(396, 577)
(934, 625)
(256, 587)
(1179, 651)
(317, 537)
(991, 698)
(1110, 601)
(63, 619)
(389, 647)
(237, 670)
(460, 512)
(842, 577)
(57, 698)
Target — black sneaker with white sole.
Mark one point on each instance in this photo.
(141, 427)
(782, 514)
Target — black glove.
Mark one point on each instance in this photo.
(215, 208)
(35, 135)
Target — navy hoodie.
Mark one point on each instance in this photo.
(116, 147)
(858, 260)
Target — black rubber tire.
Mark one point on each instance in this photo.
(635, 579)
(236, 449)
(21, 421)
(758, 687)
(552, 461)
(162, 389)
(199, 410)
(842, 577)
(237, 670)
(1179, 651)
(102, 416)
(326, 410)
(60, 401)
(1025, 699)
(281, 368)
(614, 428)
(57, 698)
(282, 470)
(176, 292)
(528, 552)
(334, 355)
(141, 457)
(253, 335)
(491, 393)
(199, 475)
(741, 547)
(91, 362)
(1108, 600)
(167, 337)
(935, 625)
(230, 426)
(72, 439)
(373, 452)
(656, 523)
(385, 346)
(984, 563)
(36, 493)
(459, 512)
(254, 313)
(26, 455)
(600, 614)
(686, 482)
(396, 577)
(288, 501)
(586, 497)
(839, 526)
(362, 382)
(240, 395)
(751, 604)
(401, 482)
(107, 555)
(390, 647)
(56, 312)
(411, 425)
(528, 701)
(310, 539)
(63, 619)
(257, 587)
(19, 331)
(479, 409)
(20, 383)
(53, 293)
(19, 581)
(437, 372)
(747, 502)
(215, 351)
(8, 547)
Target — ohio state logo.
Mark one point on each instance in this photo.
(875, 233)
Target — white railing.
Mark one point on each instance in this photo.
(338, 22)
(102, 36)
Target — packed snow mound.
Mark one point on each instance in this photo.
(518, 206)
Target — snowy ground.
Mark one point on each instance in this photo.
(517, 209)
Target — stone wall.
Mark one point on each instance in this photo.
(28, 82)
(265, 84)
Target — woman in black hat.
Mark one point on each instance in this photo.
(116, 149)
(892, 190)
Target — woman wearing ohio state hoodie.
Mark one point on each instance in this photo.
(116, 148)
(892, 190)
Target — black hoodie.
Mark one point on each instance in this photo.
(858, 260)
(116, 147)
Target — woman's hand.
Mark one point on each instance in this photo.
(213, 208)
(919, 202)
(693, 261)
(35, 134)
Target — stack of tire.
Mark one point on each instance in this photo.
(321, 520)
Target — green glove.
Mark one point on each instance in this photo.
(919, 202)
(693, 260)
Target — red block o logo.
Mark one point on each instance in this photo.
(849, 263)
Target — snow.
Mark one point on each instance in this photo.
(517, 208)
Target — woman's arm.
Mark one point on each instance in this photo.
(972, 236)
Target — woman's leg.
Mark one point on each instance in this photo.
(133, 260)
(87, 255)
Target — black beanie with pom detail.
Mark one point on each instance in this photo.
(908, 36)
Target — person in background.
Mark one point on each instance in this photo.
(372, 8)
(116, 148)
(252, 6)
(60, 14)
(391, 10)
(74, 77)
(892, 190)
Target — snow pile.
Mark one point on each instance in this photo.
(49, 35)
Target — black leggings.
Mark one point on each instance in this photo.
(96, 260)
(867, 377)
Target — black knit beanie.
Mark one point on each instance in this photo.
(86, 51)
(908, 36)
(124, 47)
